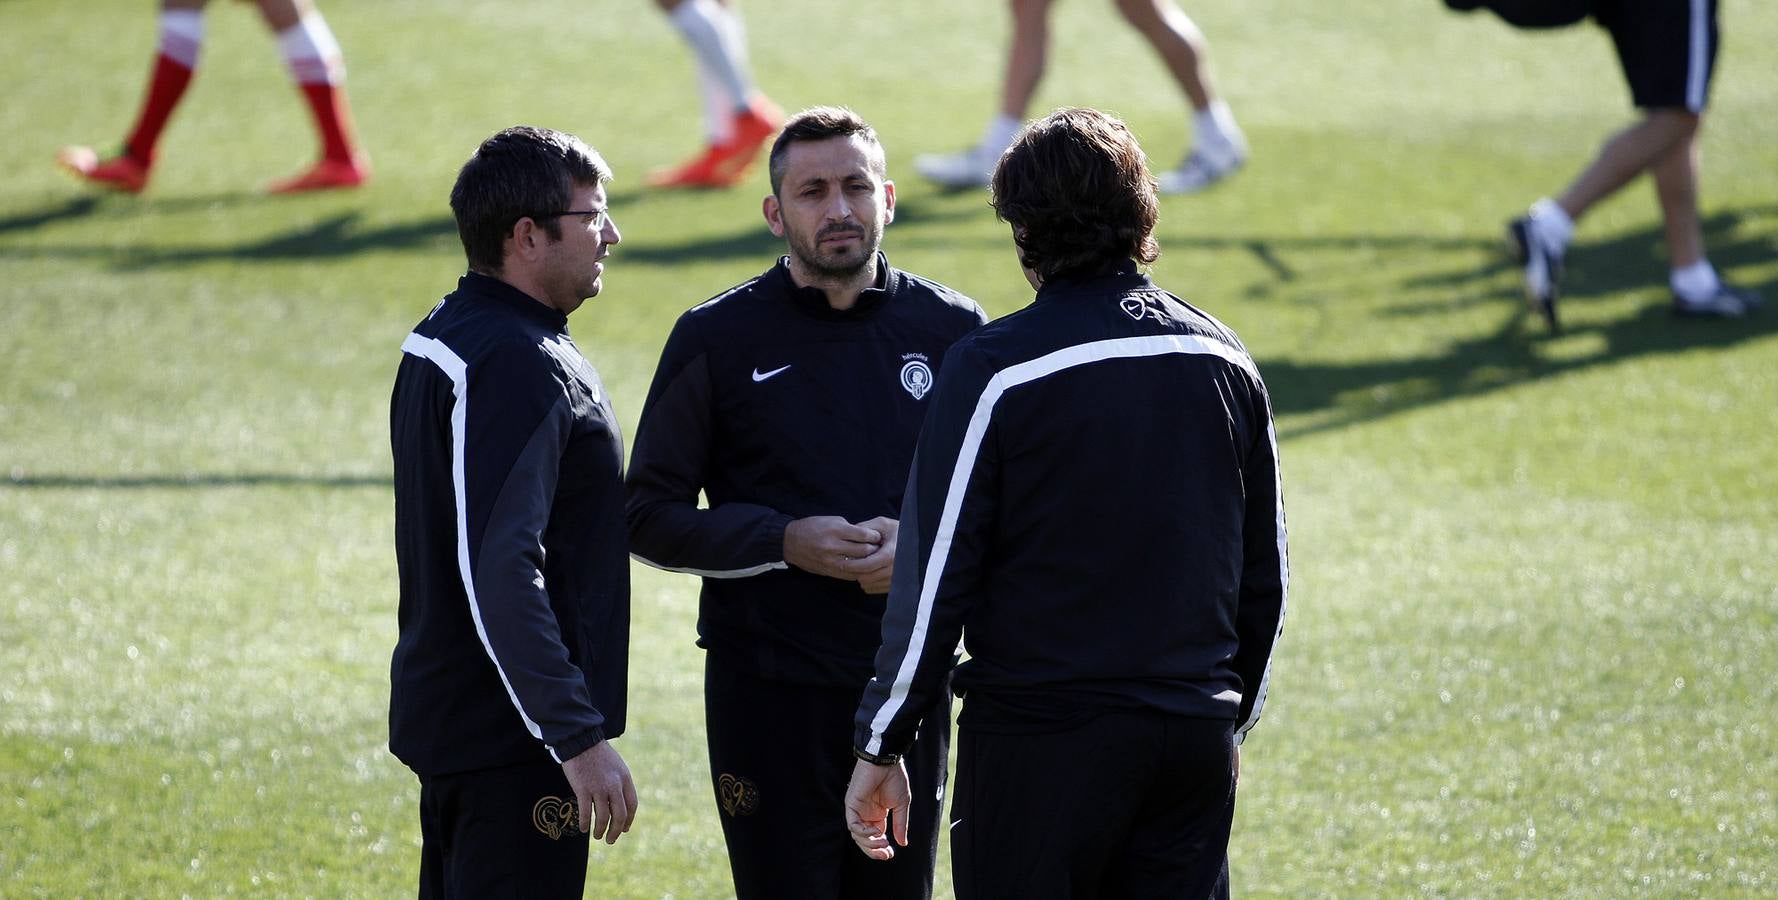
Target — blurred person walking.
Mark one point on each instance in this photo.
(315, 62)
(1219, 148)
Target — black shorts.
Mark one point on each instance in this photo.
(1129, 803)
(780, 758)
(507, 832)
(1666, 47)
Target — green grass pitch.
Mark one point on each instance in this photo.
(1534, 622)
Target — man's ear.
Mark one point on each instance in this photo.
(525, 238)
(774, 214)
(888, 202)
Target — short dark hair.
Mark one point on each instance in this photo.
(1076, 188)
(522, 171)
(819, 123)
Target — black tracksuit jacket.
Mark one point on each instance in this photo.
(509, 539)
(777, 406)
(1095, 509)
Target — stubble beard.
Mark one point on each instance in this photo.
(838, 266)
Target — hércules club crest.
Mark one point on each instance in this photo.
(916, 374)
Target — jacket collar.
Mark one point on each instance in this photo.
(1118, 277)
(813, 300)
(488, 287)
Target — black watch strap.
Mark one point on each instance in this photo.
(884, 759)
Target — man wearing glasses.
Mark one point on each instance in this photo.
(791, 402)
(508, 679)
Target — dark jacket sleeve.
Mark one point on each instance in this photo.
(1265, 573)
(517, 423)
(668, 467)
(946, 515)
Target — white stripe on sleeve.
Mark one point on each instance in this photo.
(452, 365)
(1014, 376)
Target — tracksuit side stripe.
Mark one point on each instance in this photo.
(1697, 59)
(714, 573)
(1265, 680)
(435, 352)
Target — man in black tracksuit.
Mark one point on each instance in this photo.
(792, 402)
(507, 683)
(1094, 507)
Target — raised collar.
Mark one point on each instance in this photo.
(490, 288)
(813, 300)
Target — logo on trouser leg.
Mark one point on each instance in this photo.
(738, 796)
(555, 816)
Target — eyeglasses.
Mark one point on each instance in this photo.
(599, 216)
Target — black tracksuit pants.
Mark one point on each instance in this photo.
(1127, 804)
(507, 832)
(780, 758)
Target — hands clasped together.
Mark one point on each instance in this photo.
(832, 546)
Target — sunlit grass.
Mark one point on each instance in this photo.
(1536, 579)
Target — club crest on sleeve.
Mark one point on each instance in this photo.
(916, 375)
(738, 796)
(556, 817)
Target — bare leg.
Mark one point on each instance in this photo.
(1179, 42)
(1676, 184)
(1026, 59)
(1628, 153)
(282, 14)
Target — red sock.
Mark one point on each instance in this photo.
(165, 87)
(328, 102)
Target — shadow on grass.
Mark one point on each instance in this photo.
(343, 235)
(1338, 395)
(193, 480)
(1356, 393)
(1323, 396)
(115, 206)
(339, 235)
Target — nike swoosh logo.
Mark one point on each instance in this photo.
(761, 376)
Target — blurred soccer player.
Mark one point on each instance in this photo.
(309, 49)
(1219, 148)
(738, 119)
(1667, 49)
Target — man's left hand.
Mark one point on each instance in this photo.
(877, 801)
(873, 571)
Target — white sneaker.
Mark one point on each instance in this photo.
(971, 168)
(1202, 168)
(1725, 302)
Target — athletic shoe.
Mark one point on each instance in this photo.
(749, 134)
(971, 168)
(698, 172)
(1726, 303)
(120, 173)
(1202, 168)
(723, 165)
(1543, 267)
(326, 175)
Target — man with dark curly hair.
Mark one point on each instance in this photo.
(1094, 507)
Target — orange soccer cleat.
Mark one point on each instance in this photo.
(120, 173)
(327, 174)
(698, 172)
(723, 165)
